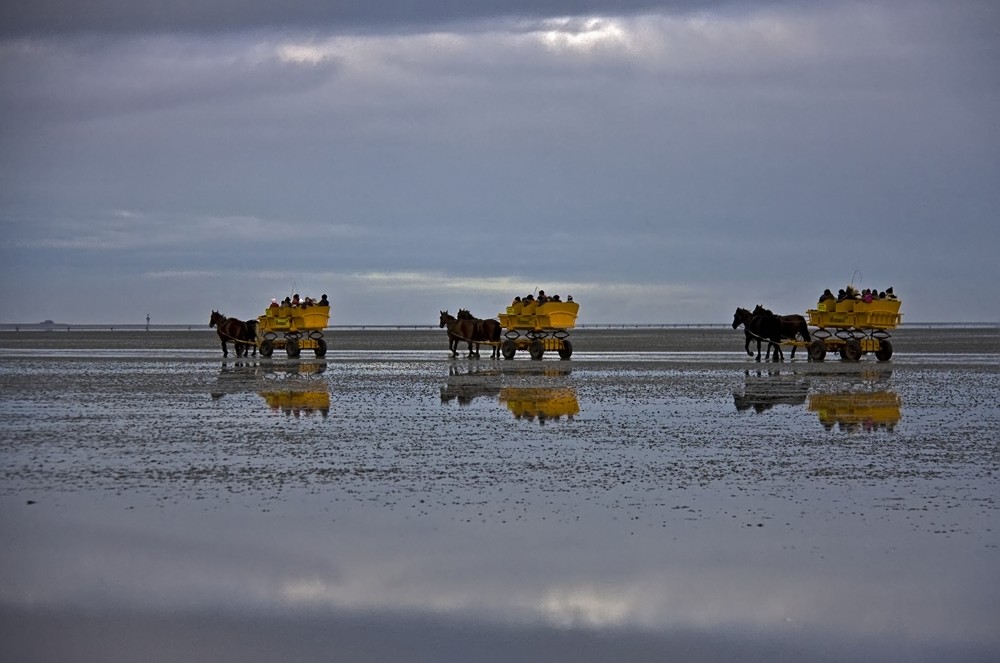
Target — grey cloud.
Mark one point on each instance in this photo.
(90, 78)
(122, 16)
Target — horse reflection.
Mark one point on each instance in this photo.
(862, 411)
(465, 384)
(765, 389)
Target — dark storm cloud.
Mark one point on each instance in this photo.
(67, 16)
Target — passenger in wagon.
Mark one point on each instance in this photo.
(323, 301)
(541, 297)
(295, 299)
(826, 295)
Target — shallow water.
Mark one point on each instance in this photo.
(659, 494)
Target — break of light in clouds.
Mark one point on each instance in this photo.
(662, 160)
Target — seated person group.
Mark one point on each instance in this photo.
(296, 302)
(540, 299)
(850, 292)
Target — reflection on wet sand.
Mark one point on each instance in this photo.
(857, 411)
(762, 390)
(541, 403)
(298, 403)
(305, 378)
(298, 369)
(464, 386)
(873, 408)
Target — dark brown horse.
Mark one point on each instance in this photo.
(230, 330)
(791, 325)
(487, 331)
(458, 330)
(764, 326)
(251, 336)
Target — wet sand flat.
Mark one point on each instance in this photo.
(660, 495)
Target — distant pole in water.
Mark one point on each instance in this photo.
(147, 322)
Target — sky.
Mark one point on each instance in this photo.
(661, 161)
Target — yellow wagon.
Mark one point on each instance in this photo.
(294, 329)
(537, 328)
(852, 328)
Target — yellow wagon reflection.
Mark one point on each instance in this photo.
(867, 410)
(541, 403)
(298, 402)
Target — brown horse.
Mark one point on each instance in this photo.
(763, 326)
(791, 325)
(459, 330)
(251, 336)
(487, 331)
(230, 329)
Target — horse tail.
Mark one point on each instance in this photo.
(804, 330)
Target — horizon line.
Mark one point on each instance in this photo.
(110, 326)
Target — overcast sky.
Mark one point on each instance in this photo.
(660, 161)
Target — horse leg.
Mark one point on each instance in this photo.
(225, 352)
(749, 337)
(778, 354)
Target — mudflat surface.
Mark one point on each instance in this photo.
(659, 495)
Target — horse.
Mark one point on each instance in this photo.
(251, 337)
(764, 326)
(791, 326)
(487, 330)
(230, 329)
(458, 330)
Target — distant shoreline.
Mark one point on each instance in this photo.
(111, 327)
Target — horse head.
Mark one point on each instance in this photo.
(445, 318)
(465, 314)
(740, 317)
(216, 317)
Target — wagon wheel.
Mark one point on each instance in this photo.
(536, 349)
(508, 348)
(817, 350)
(266, 347)
(320, 347)
(884, 351)
(851, 350)
(566, 351)
(292, 348)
